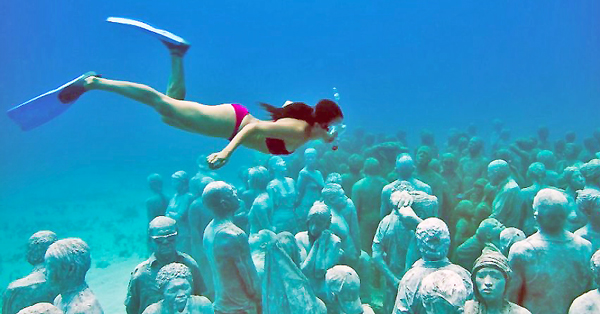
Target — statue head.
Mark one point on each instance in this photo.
(573, 177)
(371, 167)
(595, 265)
(475, 146)
(333, 195)
(181, 181)
(489, 231)
(175, 282)
(498, 172)
(37, 245)
(465, 209)
(550, 210)
(334, 177)
(310, 157)
(570, 137)
(41, 308)
(277, 166)
(163, 234)
(405, 166)
(588, 202)
(497, 125)
(508, 237)
(318, 219)
(547, 158)
(591, 171)
(155, 182)
(491, 274)
(433, 239)
(355, 162)
(443, 291)
(221, 199)
(449, 162)
(537, 172)
(67, 262)
(197, 186)
(258, 178)
(423, 156)
(343, 287)
(543, 133)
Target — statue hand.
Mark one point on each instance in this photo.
(217, 160)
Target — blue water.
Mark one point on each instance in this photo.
(397, 65)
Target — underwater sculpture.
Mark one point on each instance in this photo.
(237, 285)
(261, 209)
(344, 221)
(473, 165)
(508, 237)
(366, 195)
(41, 308)
(286, 290)
(404, 168)
(323, 248)
(33, 288)
(142, 290)
(491, 275)
(427, 175)
(589, 302)
(487, 234)
(156, 205)
(547, 158)
(282, 192)
(343, 291)
(259, 243)
(433, 240)
(178, 209)
(309, 185)
(588, 202)
(574, 181)
(443, 291)
(536, 173)
(550, 268)
(175, 282)
(505, 207)
(67, 262)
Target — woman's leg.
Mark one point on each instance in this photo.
(176, 87)
(216, 121)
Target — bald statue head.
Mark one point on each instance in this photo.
(37, 245)
(498, 171)
(41, 308)
(221, 199)
(550, 210)
(433, 239)
(405, 166)
(163, 237)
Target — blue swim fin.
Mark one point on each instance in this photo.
(43, 108)
(172, 41)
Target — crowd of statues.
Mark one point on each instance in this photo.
(372, 227)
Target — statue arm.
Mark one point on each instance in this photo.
(384, 210)
(301, 185)
(132, 301)
(236, 248)
(378, 252)
(353, 223)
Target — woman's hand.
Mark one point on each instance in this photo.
(217, 160)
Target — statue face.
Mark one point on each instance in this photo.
(474, 146)
(423, 157)
(164, 240)
(316, 226)
(349, 299)
(280, 166)
(577, 180)
(177, 293)
(310, 157)
(490, 283)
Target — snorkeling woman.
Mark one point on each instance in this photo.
(290, 127)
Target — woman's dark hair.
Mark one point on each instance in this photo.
(324, 112)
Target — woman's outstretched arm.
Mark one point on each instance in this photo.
(283, 130)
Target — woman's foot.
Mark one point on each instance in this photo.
(74, 90)
(177, 50)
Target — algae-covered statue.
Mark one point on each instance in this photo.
(178, 209)
(491, 275)
(433, 241)
(550, 267)
(405, 168)
(175, 282)
(34, 287)
(261, 209)
(443, 291)
(589, 302)
(67, 263)
(344, 222)
(508, 237)
(309, 185)
(472, 166)
(488, 233)
(142, 290)
(282, 192)
(588, 202)
(505, 207)
(323, 248)
(343, 290)
(237, 286)
(156, 205)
